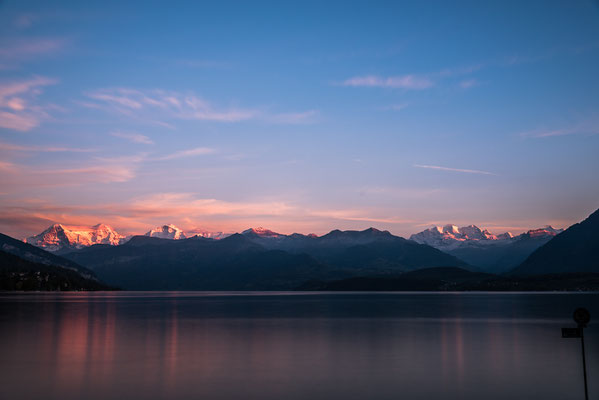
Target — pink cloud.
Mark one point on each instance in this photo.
(16, 109)
(198, 151)
(43, 149)
(133, 137)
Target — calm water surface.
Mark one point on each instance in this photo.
(192, 345)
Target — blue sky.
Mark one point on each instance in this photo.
(298, 117)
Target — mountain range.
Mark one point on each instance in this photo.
(477, 247)
(59, 238)
(260, 259)
(256, 259)
(480, 248)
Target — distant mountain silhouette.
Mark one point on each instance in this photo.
(574, 250)
(256, 259)
(458, 279)
(17, 273)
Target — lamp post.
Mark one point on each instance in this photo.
(581, 317)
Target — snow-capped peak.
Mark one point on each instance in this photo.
(169, 231)
(547, 230)
(58, 237)
(207, 234)
(450, 236)
(261, 232)
(505, 236)
(450, 229)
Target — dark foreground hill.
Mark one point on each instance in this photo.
(457, 279)
(39, 256)
(26, 267)
(574, 250)
(17, 273)
(252, 262)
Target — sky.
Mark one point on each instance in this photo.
(298, 116)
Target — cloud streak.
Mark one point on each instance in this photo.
(409, 82)
(541, 134)
(396, 107)
(18, 110)
(589, 126)
(19, 50)
(133, 137)
(42, 149)
(181, 106)
(198, 151)
(465, 171)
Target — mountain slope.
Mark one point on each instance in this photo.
(36, 255)
(574, 250)
(17, 273)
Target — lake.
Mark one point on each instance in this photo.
(246, 345)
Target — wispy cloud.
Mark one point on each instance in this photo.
(396, 107)
(24, 21)
(202, 63)
(293, 118)
(42, 149)
(187, 204)
(198, 151)
(412, 82)
(98, 173)
(170, 104)
(359, 215)
(133, 137)
(23, 176)
(7, 166)
(157, 104)
(17, 51)
(18, 110)
(466, 171)
(468, 83)
(457, 71)
(589, 126)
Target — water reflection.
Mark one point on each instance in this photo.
(353, 346)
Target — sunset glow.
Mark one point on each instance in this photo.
(307, 119)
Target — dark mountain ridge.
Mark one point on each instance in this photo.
(37, 255)
(17, 273)
(574, 250)
(256, 259)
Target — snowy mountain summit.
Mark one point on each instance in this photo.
(261, 232)
(169, 231)
(66, 237)
(450, 236)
